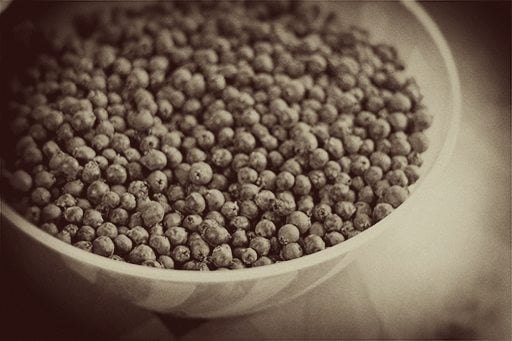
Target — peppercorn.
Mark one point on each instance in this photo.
(372, 175)
(362, 221)
(181, 172)
(398, 162)
(265, 228)
(400, 146)
(101, 162)
(399, 102)
(83, 120)
(332, 222)
(32, 214)
(261, 245)
(215, 234)
(50, 228)
(264, 260)
(222, 255)
(200, 173)
(306, 204)
(266, 180)
(152, 264)
(239, 238)
(123, 244)
(71, 229)
(73, 188)
(237, 263)
(247, 255)
(345, 162)
(345, 209)
(195, 203)
(380, 187)
(398, 121)
(135, 220)
(156, 229)
(239, 222)
(195, 155)
(245, 191)
(412, 173)
(138, 235)
(140, 254)
(152, 213)
(317, 178)
(65, 200)
(333, 238)
(127, 201)
(332, 169)
(305, 143)
(177, 235)
(397, 177)
(247, 175)
(381, 210)
(229, 209)
(199, 249)
(107, 229)
(275, 159)
(41, 196)
(366, 194)
(84, 245)
(422, 120)
(395, 195)
(317, 228)
(181, 254)
(73, 214)
(192, 222)
(153, 160)
(284, 181)
(44, 179)
(300, 220)
(225, 136)
(419, 142)
(288, 234)
(217, 216)
(166, 262)
(291, 251)
(91, 217)
(379, 129)
(359, 165)
(21, 181)
(110, 200)
(321, 211)
(313, 243)
(103, 246)
(172, 219)
(86, 233)
(160, 244)
(96, 190)
(196, 266)
(221, 157)
(337, 191)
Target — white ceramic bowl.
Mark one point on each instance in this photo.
(57, 267)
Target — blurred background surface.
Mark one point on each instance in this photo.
(446, 277)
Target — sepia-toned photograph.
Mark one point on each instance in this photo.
(255, 170)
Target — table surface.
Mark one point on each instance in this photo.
(452, 280)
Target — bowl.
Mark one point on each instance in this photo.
(56, 267)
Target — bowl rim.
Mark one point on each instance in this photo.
(281, 268)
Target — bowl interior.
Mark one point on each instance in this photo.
(427, 58)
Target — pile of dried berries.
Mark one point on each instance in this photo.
(214, 135)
